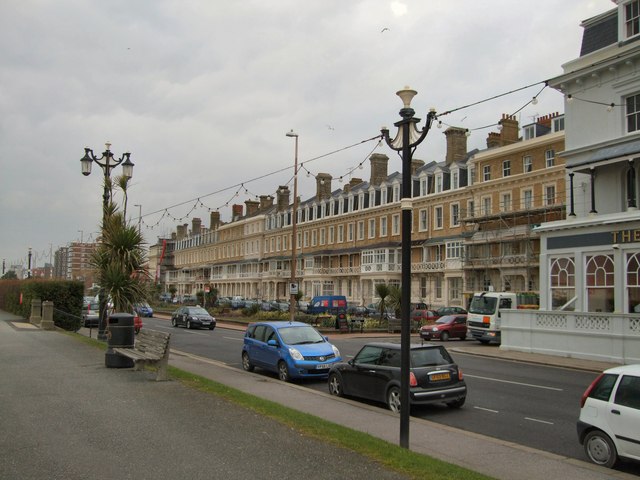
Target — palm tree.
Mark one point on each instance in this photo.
(120, 262)
(382, 291)
(120, 258)
(395, 299)
(123, 182)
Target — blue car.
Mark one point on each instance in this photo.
(143, 309)
(293, 350)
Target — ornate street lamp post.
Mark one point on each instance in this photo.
(107, 163)
(405, 142)
(294, 232)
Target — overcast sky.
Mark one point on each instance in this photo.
(202, 94)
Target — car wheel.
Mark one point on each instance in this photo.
(335, 385)
(189, 324)
(283, 372)
(457, 403)
(600, 449)
(463, 336)
(174, 323)
(246, 362)
(393, 399)
(444, 336)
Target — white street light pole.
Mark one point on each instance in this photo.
(294, 232)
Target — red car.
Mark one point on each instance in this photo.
(137, 322)
(445, 328)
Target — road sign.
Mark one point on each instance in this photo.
(293, 288)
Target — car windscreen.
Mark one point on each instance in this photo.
(483, 305)
(197, 311)
(428, 357)
(446, 319)
(300, 335)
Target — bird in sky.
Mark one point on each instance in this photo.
(385, 29)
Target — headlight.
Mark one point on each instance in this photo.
(434, 329)
(336, 352)
(195, 319)
(295, 354)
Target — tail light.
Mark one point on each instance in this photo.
(587, 392)
(460, 376)
(413, 381)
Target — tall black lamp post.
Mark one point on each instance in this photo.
(406, 142)
(29, 264)
(107, 163)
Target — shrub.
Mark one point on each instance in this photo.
(65, 295)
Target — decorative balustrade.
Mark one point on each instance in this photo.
(609, 337)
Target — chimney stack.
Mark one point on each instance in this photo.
(323, 186)
(236, 212)
(509, 133)
(379, 163)
(181, 231)
(456, 144)
(266, 201)
(252, 206)
(283, 198)
(215, 220)
(196, 225)
(415, 165)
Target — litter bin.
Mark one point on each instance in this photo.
(342, 323)
(120, 334)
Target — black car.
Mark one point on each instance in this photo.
(374, 374)
(193, 317)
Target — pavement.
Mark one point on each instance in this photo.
(63, 414)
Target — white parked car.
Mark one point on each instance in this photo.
(609, 424)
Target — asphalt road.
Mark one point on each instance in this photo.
(531, 405)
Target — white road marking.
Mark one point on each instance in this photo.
(514, 383)
(539, 421)
(486, 409)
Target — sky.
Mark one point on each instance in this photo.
(202, 94)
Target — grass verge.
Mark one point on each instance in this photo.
(401, 460)
(393, 457)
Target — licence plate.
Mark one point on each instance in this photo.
(323, 366)
(440, 376)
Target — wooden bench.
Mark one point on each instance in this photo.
(151, 347)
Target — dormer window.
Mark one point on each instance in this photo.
(455, 180)
(529, 132)
(439, 183)
(383, 196)
(632, 18)
(558, 124)
(396, 193)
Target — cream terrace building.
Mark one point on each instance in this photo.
(472, 227)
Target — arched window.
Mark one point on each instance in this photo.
(633, 282)
(599, 283)
(562, 278)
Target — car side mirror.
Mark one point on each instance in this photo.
(351, 362)
(272, 343)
